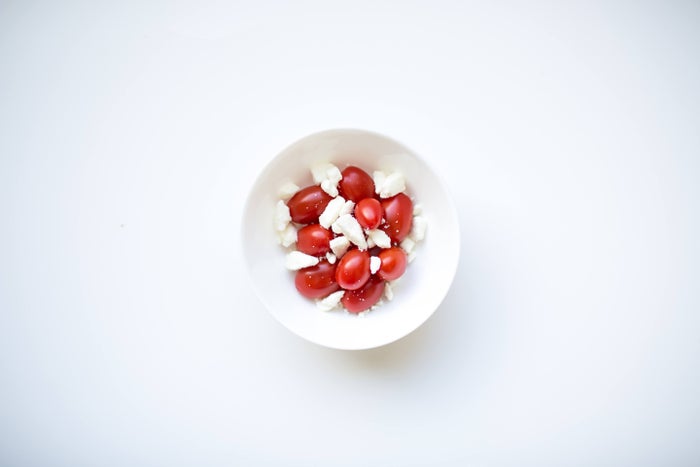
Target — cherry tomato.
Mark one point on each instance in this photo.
(316, 281)
(393, 263)
(368, 213)
(353, 270)
(365, 297)
(314, 240)
(398, 214)
(356, 184)
(307, 204)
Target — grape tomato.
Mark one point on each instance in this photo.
(353, 270)
(393, 263)
(356, 184)
(398, 215)
(307, 204)
(364, 298)
(316, 281)
(368, 213)
(314, 240)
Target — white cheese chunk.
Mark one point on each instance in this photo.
(296, 260)
(374, 264)
(370, 242)
(379, 237)
(320, 171)
(378, 176)
(339, 245)
(282, 216)
(408, 245)
(332, 211)
(331, 301)
(288, 236)
(330, 187)
(331, 257)
(352, 229)
(287, 190)
(348, 208)
(388, 291)
(411, 256)
(393, 185)
(333, 174)
(417, 209)
(418, 228)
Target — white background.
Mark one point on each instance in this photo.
(568, 134)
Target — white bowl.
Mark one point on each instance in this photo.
(416, 295)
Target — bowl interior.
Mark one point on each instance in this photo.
(416, 295)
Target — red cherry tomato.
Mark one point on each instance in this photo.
(307, 204)
(393, 263)
(353, 270)
(398, 214)
(356, 184)
(368, 213)
(314, 240)
(316, 281)
(365, 297)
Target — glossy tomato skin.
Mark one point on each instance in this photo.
(314, 240)
(307, 204)
(316, 281)
(356, 301)
(353, 270)
(356, 184)
(393, 263)
(398, 216)
(368, 213)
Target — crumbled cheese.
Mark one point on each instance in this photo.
(376, 305)
(393, 185)
(378, 176)
(331, 301)
(374, 264)
(379, 237)
(388, 292)
(333, 174)
(287, 190)
(332, 211)
(408, 245)
(331, 257)
(288, 236)
(417, 209)
(418, 229)
(370, 242)
(348, 208)
(282, 216)
(411, 256)
(296, 260)
(339, 245)
(320, 171)
(352, 229)
(330, 187)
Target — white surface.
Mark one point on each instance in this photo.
(419, 291)
(568, 133)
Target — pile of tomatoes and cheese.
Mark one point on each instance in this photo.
(350, 235)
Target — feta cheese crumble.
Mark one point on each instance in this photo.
(331, 301)
(296, 260)
(348, 226)
(282, 216)
(374, 264)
